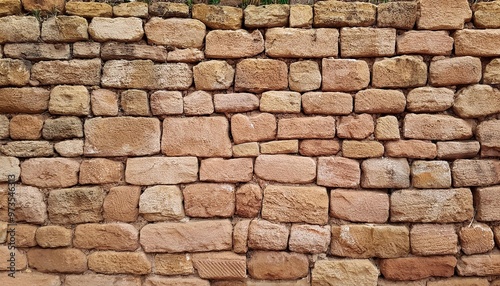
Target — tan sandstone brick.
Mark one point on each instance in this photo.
(131, 9)
(4, 126)
(53, 236)
(24, 100)
(101, 280)
(86, 50)
(280, 102)
(257, 75)
(153, 170)
(457, 149)
(10, 7)
(280, 147)
(345, 75)
(196, 136)
(159, 203)
(134, 102)
(305, 238)
(64, 260)
(401, 15)
(230, 171)
(50, 172)
(475, 172)
(429, 99)
(266, 16)
(479, 265)
(385, 173)
(476, 101)
(362, 149)
(455, 71)
(173, 264)
(318, 147)
(220, 265)
(340, 272)
(259, 127)
(367, 42)
(29, 204)
(37, 51)
(89, 9)
(436, 127)
(13, 73)
(476, 238)
(415, 268)
(327, 103)
(198, 103)
(117, 51)
(169, 9)
(209, 200)
(104, 102)
(218, 17)
(357, 126)
(486, 15)
(479, 43)
(179, 33)
(112, 236)
(443, 15)
(338, 172)
(240, 236)
(64, 127)
(10, 166)
(272, 265)
(433, 239)
(301, 16)
(166, 102)
(425, 42)
(121, 204)
(223, 44)
(387, 128)
(402, 71)
(19, 29)
(430, 174)
(65, 205)
(487, 203)
(359, 206)
(66, 29)
(301, 43)
(379, 101)
(246, 150)
(31, 278)
(248, 200)
(342, 14)
(417, 149)
(12, 258)
(112, 262)
(235, 102)
(302, 204)
(432, 205)
(25, 235)
(213, 75)
(207, 235)
(316, 127)
(285, 168)
(487, 132)
(69, 100)
(27, 149)
(491, 74)
(28, 127)
(84, 72)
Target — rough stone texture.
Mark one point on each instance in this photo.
(64, 260)
(86, 50)
(486, 15)
(24, 100)
(266, 16)
(4, 127)
(277, 265)
(415, 268)
(69, 100)
(280, 102)
(379, 101)
(437, 43)
(29, 205)
(402, 71)
(161, 170)
(173, 264)
(248, 200)
(306, 238)
(430, 174)
(295, 204)
(233, 44)
(457, 149)
(198, 103)
(65, 127)
(84, 72)
(166, 102)
(196, 136)
(357, 126)
(169, 9)
(10, 167)
(387, 128)
(213, 75)
(101, 280)
(487, 203)
(75, 205)
(462, 281)
(385, 173)
(178, 33)
(104, 102)
(401, 15)
(266, 235)
(301, 43)
(326, 103)
(11, 7)
(491, 74)
(479, 265)
(360, 241)
(111, 262)
(257, 75)
(222, 265)
(122, 136)
(28, 127)
(25, 235)
(477, 101)
(314, 147)
(134, 102)
(301, 16)
(280, 147)
(19, 29)
(31, 278)
(487, 132)
(37, 51)
(339, 272)
(235, 102)
(345, 75)
(342, 14)
(367, 42)
(117, 51)
(208, 235)
(338, 172)
(89, 9)
(258, 127)
(317, 127)
(131, 9)
(121, 204)
(240, 236)
(231, 171)
(432, 205)
(13, 73)
(50, 172)
(443, 15)
(429, 99)
(362, 149)
(417, 149)
(25, 149)
(53, 236)
(455, 71)
(479, 43)
(7, 254)
(218, 17)
(161, 203)
(112, 236)
(477, 238)
(436, 127)
(433, 239)
(359, 206)
(209, 200)
(67, 29)
(475, 172)
(285, 168)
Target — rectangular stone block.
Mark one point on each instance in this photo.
(235, 102)
(327, 103)
(257, 75)
(13, 73)
(161, 170)
(457, 149)
(477, 43)
(362, 149)
(277, 265)
(209, 200)
(266, 235)
(101, 280)
(114, 262)
(317, 127)
(475, 172)
(117, 51)
(89, 9)
(306, 238)
(455, 71)
(479, 265)
(415, 268)
(385, 173)
(50, 172)
(417, 149)
(258, 127)
(301, 43)
(430, 174)
(175, 32)
(402, 71)
(359, 205)
(67, 29)
(16, 29)
(31, 278)
(120, 29)
(218, 17)
(338, 172)
(487, 203)
(344, 14)
(24, 100)
(111, 236)
(443, 15)
(436, 43)
(367, 42)
(285, 168)
(266, 16)
(230, 171)
(344, 75)
(401, 15)
(225, 44)
(173, 264)
(280, 102)
(84, 72)
(75, 205)
(433, 239)
(220, 265)
(162, 202)
(436, 127)
(63, 260)
(340, 272)
(379, 101)
(429, 99)
(37, 51)
(280, 147)
(100, 171)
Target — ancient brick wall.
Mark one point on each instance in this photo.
(335, 144)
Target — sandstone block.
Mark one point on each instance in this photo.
(477, 101)
(246, 150)
(117, 51)
(315, 147)
(304, 76)
(317, 127)
(345, 75)
(64, 127)
(37, 51)
(76, 72)
(86, 50)
(10, 166)
(385, 173)
(417, 149)
(235, 102)
(338, 172)
(25, 149)
(30, 206)
(266, 16)
(25, 236)
(89, 9)
(169, 9)
(121, 203)
(69, 148)
(10, 7)
(218, 17)
(478, 43)
(112, 262)
(196, 136)
(280, 102)
(17, 29)
(327, 103)
(475, 172)
(430, 174)
(400, 15)
(28, 127)
(66, 29)
(53, 236)
(457, 149)
(240, 236)
(436, 127)
(161, 170)
(75, 205)
(198, 103)
(437, 43)
(7, 254)
(415, 268)
(439, 205)
(272, 265)
(460, 281)
(429, 99)
(230, 171)
(4, 126)
(302, 204)
(69, 100)
(477, 238)
(433, 239)
(259, 127)
(24, 100)
(305, 238)
(402, 71)
(50, 172)
(487, 132)
(257, 75)
(13, 73)
(486, 15)
(487, 203)
(207, 235)
(134, 102)
(344, 14)
(443, 15)
(101, 280)
(491, 74)
(248, 200)
(362, 149)
(280, 147)
(64, 260)
(32, 278)
(166, 102)
(387, 128)
(265, 235)
(340, 272)
(285, 168)
(220, 265)
(359, 206)
(213, 75)
(104, 102)
(100, 171)
(131, 9)
(301, 43)
(209, 200)
(455, 71)
(379, 101)
(479, 265)
(178, 33)
(357, 126)
(153, 281)
(173, 264)
(226, 44)
(112, 236)
(301, 16)
(367, 42)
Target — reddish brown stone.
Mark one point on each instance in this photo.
(415, 268)
(259, 127)
(209, 200)
(277, 265)
(64, 260)
(317, 127)
(338, 172)
(358, 126)
(359, 206)
(476, 238)
(285, 168)
(316, 147)
(112, 236)
(433, 239)
(248, 200)
(266, 235)
(417, 149)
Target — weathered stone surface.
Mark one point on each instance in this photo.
(479, 265)
(306, 238)
(16, 29)
(31, 278)
(231, 171)
(37, 51)
(460, 281)
(443, 15)
(415, 268)
(188, 281)
(334, 103)
(223, 44)
(367, 42)
(432, 205)
(86, 50)
(476, 238)
(173, 264)
(455, 71)
(169, 9)
(117, 51)
(478, 43)
(280, 102)
(491, 72)
(104, 102)
(84, 72)
(302, 204)
(50, 172)
(213, 75)
(25, 235)
(457, 149)
(340, 272)
(112, 262)
(418, 149)
(475, 172)
(280, 147)
(240, 236)
(301, 16)
(425, 42)
(143, 74)
(430, 174)
(379, 101)
(209, 200)
(436, 127)
(218, 17)
(198, 103)
(29, 205)
(4, 126)
(131, 9)
(207, 235)
(65, 260)
(24, 100)
(357, 126)
(486, 15)
(402, 71)
(75, 205)
(10, 166)
(314, 147)
(112, 236)
(338, 172)
(62, 128)
(248, 200)
(27, 127)
(385, 173)
(121, 203)
(285, 168)
(266, 16)
(178, 33)
(359, 206)
(7, 255)
(25, 149)
(362, 149)
(345, 75)
(161, 170)
(53, 236)
(66, 29)
(166, 102)
(487, 132)
(301, 43)
(259, 127)
(235, 102)
(134, 102)
(100, 171)
(265, 235)
(304, 76)
(220, 265)
(429, 99)
(277, 265)
(10, 7)
(487, 203)
(387, 128)
(13, 73)
(196, 136)
(257, 75)
(433, 239)
(317, 127)
(122, 136)
(401, 15)
(101, 280)
(69, 100)
(89, 9)
(342, 14)
(361, 241)
(476, 101)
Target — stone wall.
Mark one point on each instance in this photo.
(334, 144)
